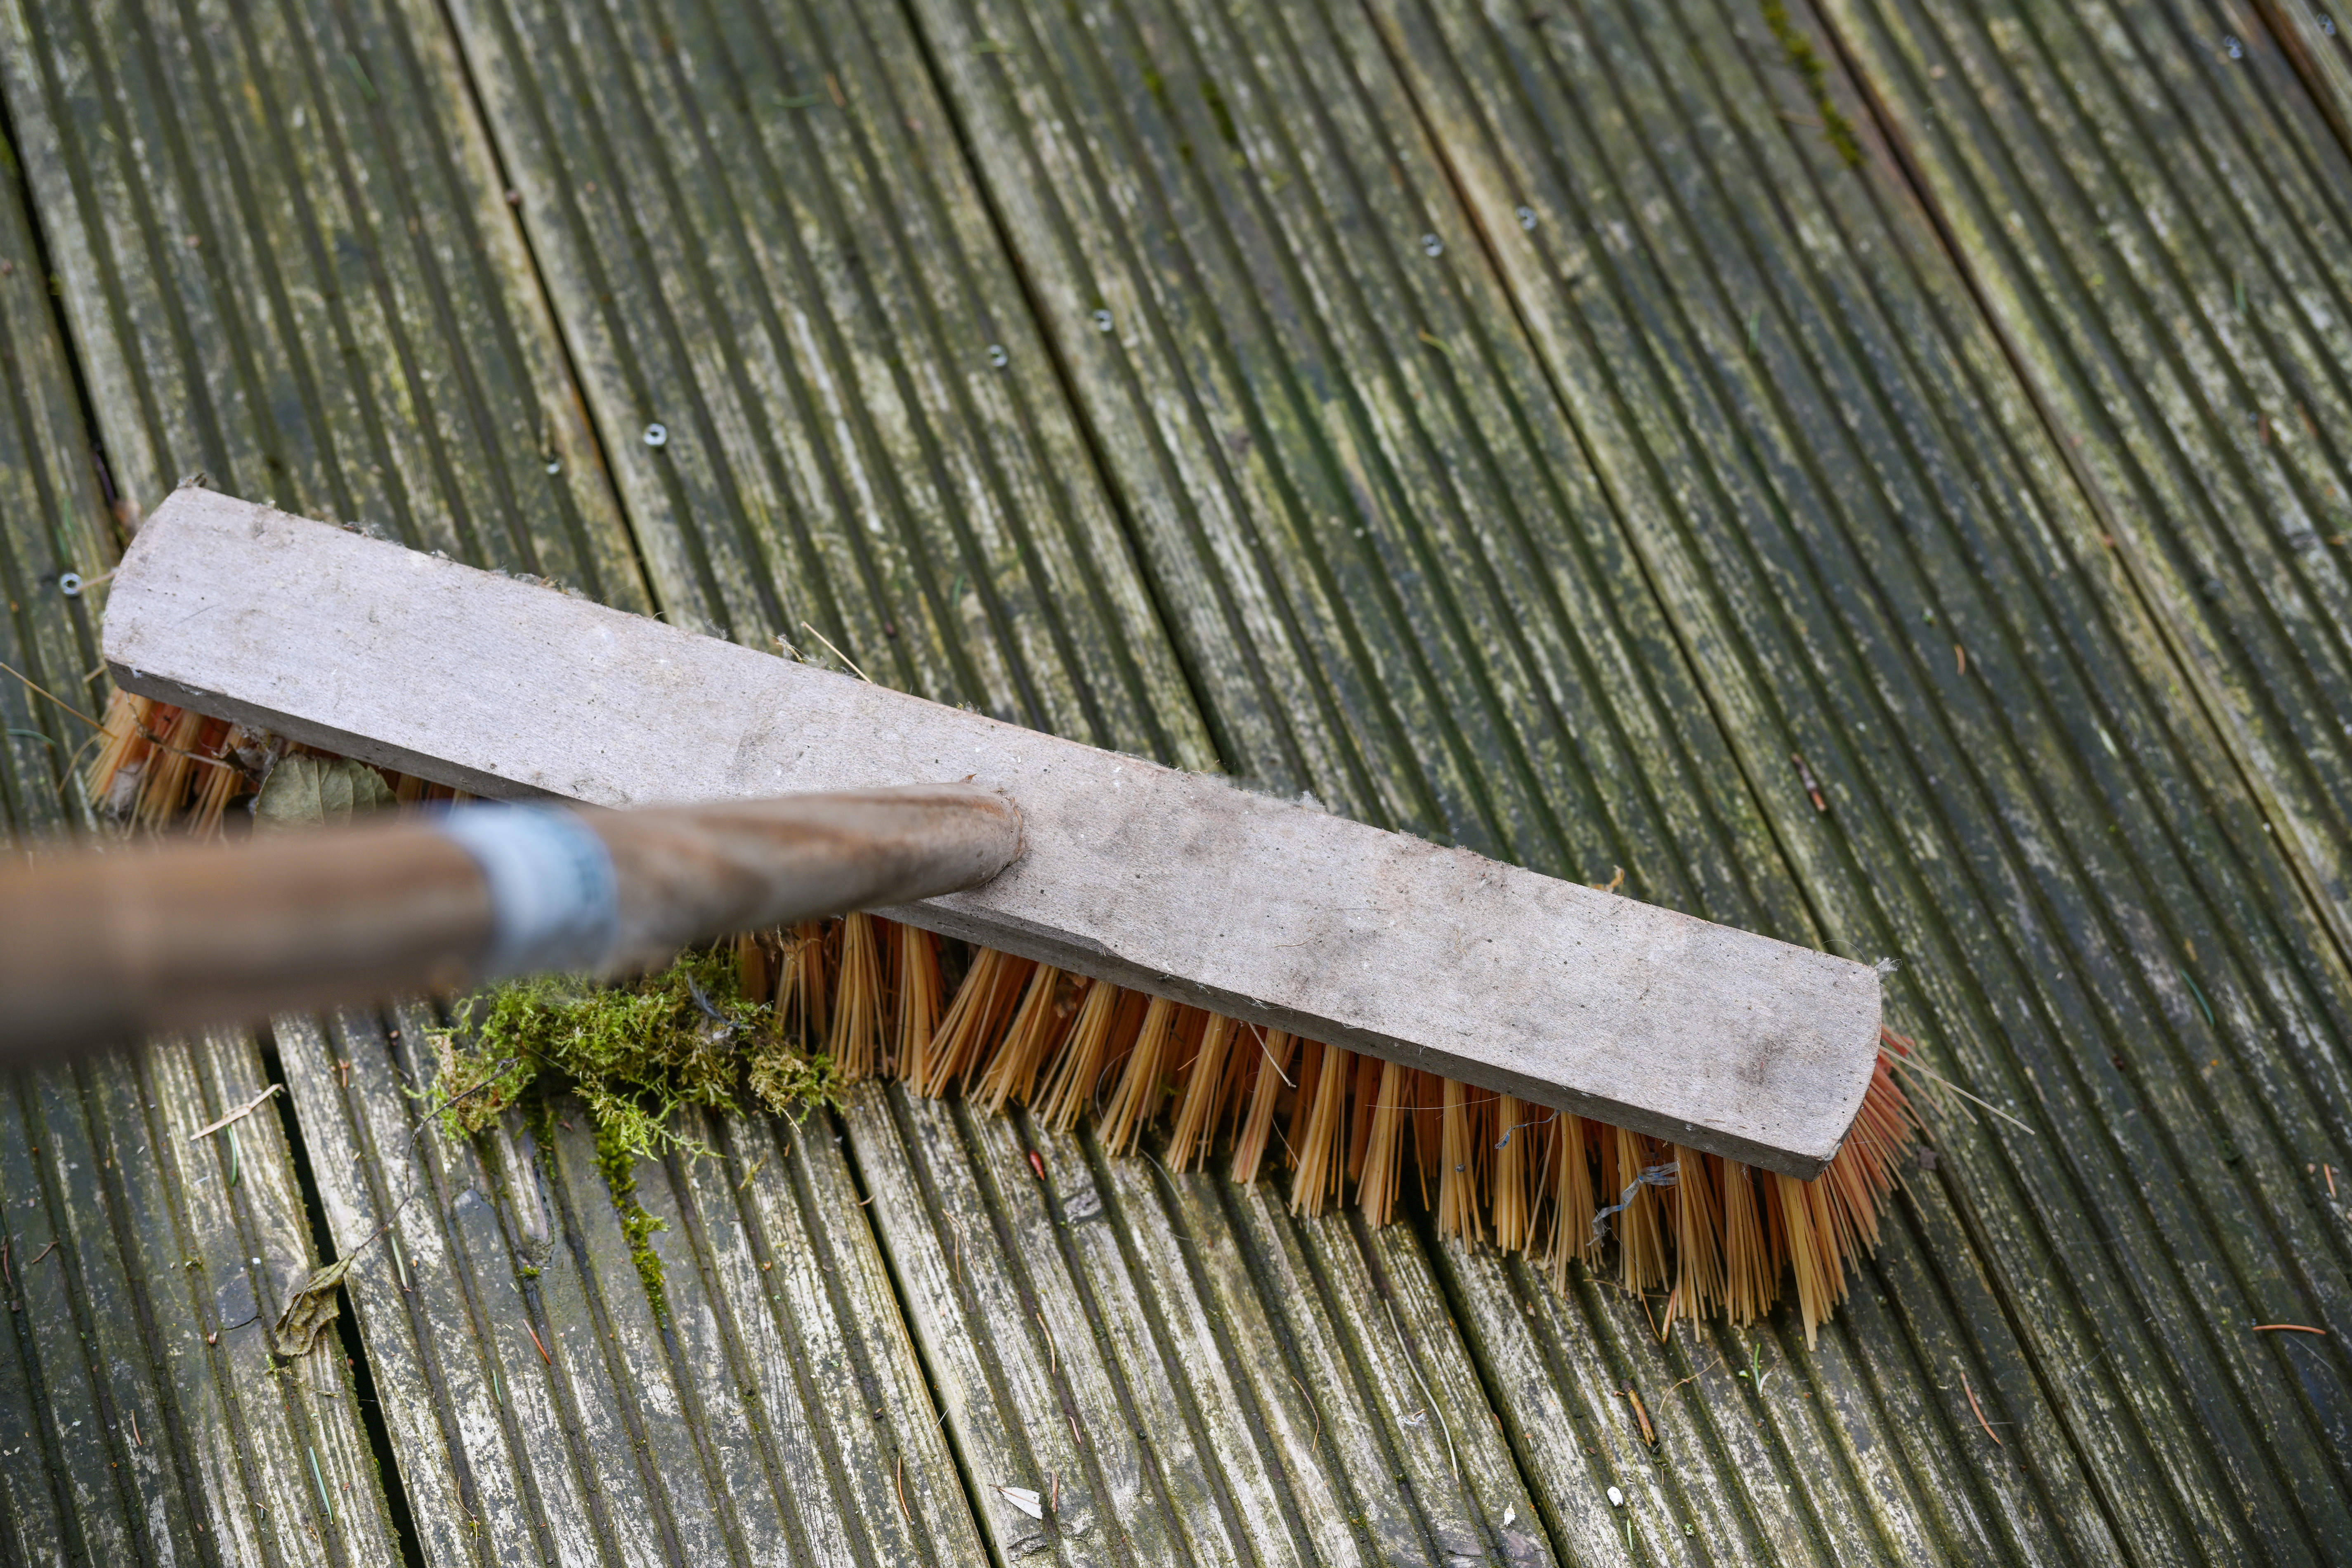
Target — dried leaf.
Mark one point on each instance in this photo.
(309, 1313)
(311, 792)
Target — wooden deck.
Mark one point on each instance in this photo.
(1519, 423)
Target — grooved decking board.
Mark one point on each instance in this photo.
(127, 1437)
(1275, 210)
(543, 1411)
(756, 231)
(52, 522)
(2314, 41)
(2057, 644)
(1363, 588)
(284, 254)
(1554, 541)
(146, 1419)
(2158, 231)
(1204, 1379)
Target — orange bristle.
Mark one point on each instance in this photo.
(1138, 1094)
(1641, 1243)
(1457, 1175)
(1321, 1160)
(1274, 1050)
(1367, 1096)
(1428, 1130)
(1572, 1235)
(991, 987)
(1376, 1187)
(1047, 1005)
(1517, 1129)
(1698, 1238)
(1302, 1103)
(1807, 1257)
(115, 772)
(800, 984)
(856, 1043)
(751, 965)
(1203, 1095)
(1072, 1083)
(915, 1003)
(1751, 1281)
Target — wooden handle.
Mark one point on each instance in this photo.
(104, 948)
(691, 873)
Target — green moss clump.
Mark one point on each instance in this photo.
(638, 1053)
(619, 1163)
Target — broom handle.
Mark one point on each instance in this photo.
(104, 948)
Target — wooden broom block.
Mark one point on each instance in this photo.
(1180, 884)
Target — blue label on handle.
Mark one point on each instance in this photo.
(554, 901)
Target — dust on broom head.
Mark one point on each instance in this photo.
(857, 997)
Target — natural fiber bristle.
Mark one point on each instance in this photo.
(1751, 1279)
(1376, 1186)
(1642, 1248)
(1698, 1238)
(1718, 1236)
(1136, 1098)
(158, 766)
(801, 975)
(1072, 1082)
(1203, 1095)
(1271, 1071)
(856, 1041)
(915, 1005)
(1316, 1179)
(1573, 1203)
(1048, 1004)
(1457, 1174)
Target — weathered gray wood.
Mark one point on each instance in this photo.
(410, 1293)
(2321, 51)
(1355, 1398)
(1262, 909)
(33, 1514)
(282, 246)
(53, 522)
(1145, 1264)
(2119, 300)
(842, 1395)
(1084, 1289)
(1668, 269)
(756, 226)
(998, 1373)
(778, 1400)
(294, 1428)
(172, 1428)
(100, 1518)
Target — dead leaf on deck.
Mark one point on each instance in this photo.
(309, 1313)
(311, 792)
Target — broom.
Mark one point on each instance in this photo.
(1087, 1034)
